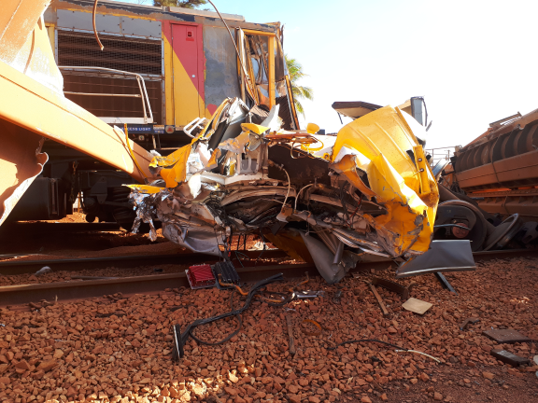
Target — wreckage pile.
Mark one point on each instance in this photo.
(327, 199)
(120, 349)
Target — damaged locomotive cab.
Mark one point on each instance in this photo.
(326, 199)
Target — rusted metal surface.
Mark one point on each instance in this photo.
(289, 324)
(379, 300)
(506, 336)
(73, 290)
(509, 358)
(508, 202)
(516, 171)
(31, 266)
(499, 169)
(466, 322)
(393, 286)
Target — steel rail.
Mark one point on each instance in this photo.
(82, 289)
(76, 290)
(58, 227)
(12, 267)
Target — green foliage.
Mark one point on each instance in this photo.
(179, 3)
(299, 92)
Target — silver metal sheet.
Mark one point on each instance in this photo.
(140, 27)
(83, 21)
(74, 20)
(50, 16)
(108, 23)
(443, 255)
(323, 259)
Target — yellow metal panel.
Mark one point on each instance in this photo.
(383, 130)
(420, 159)
(378, 143)
(51, 30)
(17, 21)
(271, 58)
(169, 81)
(41, 110)
(20, 162)
(254, 32)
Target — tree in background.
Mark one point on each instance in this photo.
(179, 3)
(295, 71)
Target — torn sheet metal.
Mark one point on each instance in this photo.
(21, 161)
(368, 190)
(444, 255)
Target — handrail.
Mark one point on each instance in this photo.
(139, 80)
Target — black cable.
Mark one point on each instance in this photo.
(450, 225)
(366, 340)
(237, 329)
(184, 337)
(239, 259)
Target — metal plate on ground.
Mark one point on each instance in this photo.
(416, 306)
(509, 358)
(506, 335)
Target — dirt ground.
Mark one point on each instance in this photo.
(120, 349)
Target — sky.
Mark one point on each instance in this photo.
(472, 60)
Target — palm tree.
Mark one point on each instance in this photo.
(179, 3)
(295, 71)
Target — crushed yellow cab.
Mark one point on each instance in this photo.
(366, 191)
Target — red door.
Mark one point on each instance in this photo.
(188, 72)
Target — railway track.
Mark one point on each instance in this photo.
(31, 266)
(54, 227)
(95, 287)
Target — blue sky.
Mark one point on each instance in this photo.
(473, 61)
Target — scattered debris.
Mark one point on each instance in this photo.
(326, 199)
(509, 358)
(260, 351)
(416, 306)
(226, 274)
(393, 286)
(309, 294)
(181, 338)
(317, 332)
(420, 353)
(506, 336)
(43, 270)
(398, 348)
(379, 300)
(200, 276)
(290, 335)
(467, 321)
(337, 297)
(444, 282)
(535, 359)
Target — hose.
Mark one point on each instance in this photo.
(94, 26)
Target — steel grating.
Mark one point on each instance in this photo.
(113, 106)
(127, 54)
